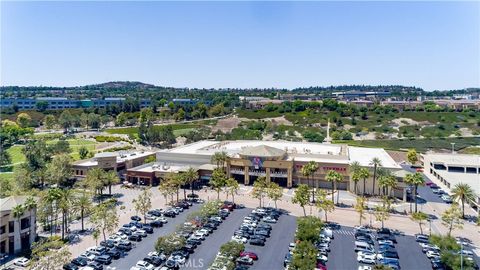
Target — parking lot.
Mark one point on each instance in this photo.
(343, 256)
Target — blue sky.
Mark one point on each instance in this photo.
(433, 45)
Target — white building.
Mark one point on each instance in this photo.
(451, 169)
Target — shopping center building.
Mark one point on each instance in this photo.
(278, 161)
(448, 170)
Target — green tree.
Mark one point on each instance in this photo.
(376, 163)
(301, 196)
(420, 218)
(415, 180)
(110, 178)
(169, 243)
(463, 192)
(334, 177)
(218, 180)
(361, 207)
(65, 120)
(95, 180)
(324, 205)
(121, 119)
(24, 120)
(259, 190)
(304, 256)
(232, 249)
(104, 217)
(143, 203)
(382, 214)
(60, 170)
(386, 182)
(220, 158)
(452, 218)
(82, 204)
(355, 174)
(5, 158)
(83, 152)
(412, 156)
(363, 173)
(49, 121)
(308, 170)
(232, 187)
(191, 176)
(274, 192)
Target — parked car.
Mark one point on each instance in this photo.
(257, 242)
(23, 262)
(103, 259)
(250, 254)
(245, 260)
(136, 218)
(70, 266)
(135, 237)
(79, 261)
(144, 265)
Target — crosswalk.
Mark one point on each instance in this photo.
(344, 232)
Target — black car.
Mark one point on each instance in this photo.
(137, 224)
(210, 227)
(193, 242)
(438, 265)
(125, 246)
(70, 266)
(182, 253)
(390, 254)
(115, 253)
(80, 261)
(264, 226)
(103, 259)
(262, 233)
(107, 244)
(364, 239)
(387, 237)
(257, 242)
(156, 261)
(96, 265)
(156, 224)
(147, 228)
(154, 213)
(125, 231)
(135, 237)
(189, 248)
(135, 218)
(384, 231)
(169, 213)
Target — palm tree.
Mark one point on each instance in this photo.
(191, 176)
(232, 187)
(111, 178)
(376, 162)
(333, 177)
(65, 204)
(52, 197)
(83, 204)
(17, 212)
(364, 174)
(463, 192)
(308, 170)
(355, 174)
(220, 158)
(415, 180)
(30, 204)
(385, 181)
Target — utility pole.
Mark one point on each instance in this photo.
(453, 147)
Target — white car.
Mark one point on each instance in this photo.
(291, 246)
(432, 254)
(385, 242)
(120, 235)
(239, 239)
(368, 259)
(269, 220)
(23, 262)
(144, 265)
(364, 267)
(179, 209)
(150, 217)
(180, 260)
(87, 256)
(142, 233)
(322, 257)
(204, 232)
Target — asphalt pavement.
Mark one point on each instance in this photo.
(148, 244)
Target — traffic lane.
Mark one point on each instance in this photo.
(410, 253)
(207, 251)
(148, 243)
(424, 192)
(272, 255)
(342, 250)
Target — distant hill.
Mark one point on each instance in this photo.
(120, 84)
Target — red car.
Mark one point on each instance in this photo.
(249, 254)
(321, 266)
(420, 170)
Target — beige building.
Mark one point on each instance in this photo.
(16, 233)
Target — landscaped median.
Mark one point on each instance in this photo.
(227, 256)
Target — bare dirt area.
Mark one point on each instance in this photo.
(400, 122)
(226, 125)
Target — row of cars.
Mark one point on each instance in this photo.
(120, 243)
(256, 227)
(193, 233)
(437, 190)
(323, 247)
(365, 243)
(433, 252)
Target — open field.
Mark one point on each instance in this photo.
(178, 129)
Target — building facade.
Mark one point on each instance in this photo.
(16, 233)
(60, 103)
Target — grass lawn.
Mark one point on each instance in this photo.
(178, 129)
(421, 145)
(16, 154)
(181, 132)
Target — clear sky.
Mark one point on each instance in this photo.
(433, 45)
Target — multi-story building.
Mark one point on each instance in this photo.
(17, 233)
(278, 161)
(448, 170)
(60, 103)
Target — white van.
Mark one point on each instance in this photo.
(359, 245)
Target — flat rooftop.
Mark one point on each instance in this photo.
(455, 159)
(472, 179)
(121, 156)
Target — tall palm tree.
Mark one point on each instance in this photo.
(220, 158)
(355, 174)
(308, 170)
(463, 192)
(82, 205)
(191, 176)
(65, 204)
(53, 196)
(111, 178)
(30, 204)
(376, 163)
(17, 212)
(415, 180)
(333, 177)
(364, 173)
